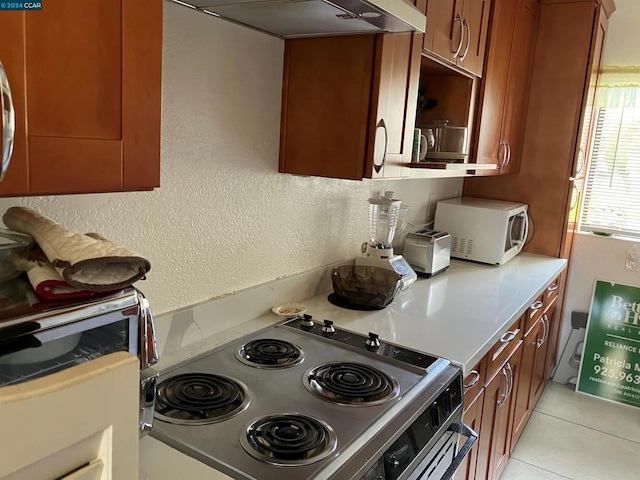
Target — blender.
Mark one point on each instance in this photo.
(384, 223)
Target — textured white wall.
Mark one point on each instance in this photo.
(224, 219)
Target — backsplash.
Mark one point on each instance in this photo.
(224, 219)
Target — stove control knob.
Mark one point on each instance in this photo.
(372, 342)
(328, 327)
(307, 321)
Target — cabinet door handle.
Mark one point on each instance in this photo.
(8, 121)
(502, 152)
(506, 390)
(456, 52)
(553, 287)
(537, 305)
(474, 382)
(466, 26)
(510, 378)
(508, 337)
(545, 332)
(382, 125)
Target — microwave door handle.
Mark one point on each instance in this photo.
(472, 437)
(526, 229)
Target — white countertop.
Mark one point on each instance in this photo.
(458, 314)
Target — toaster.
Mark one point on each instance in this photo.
(428, 251)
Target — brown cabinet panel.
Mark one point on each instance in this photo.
(490, 141)
(505, 89)
(522, 408)
(86, 80)
(472, 417)
(444, 28)
(518, 85)
(474, 382)
(325, 109)
(497, 419)
(475, 15)
(504, 348)
(12, 40)
(78, 92)
(349, 105)
(563, 61)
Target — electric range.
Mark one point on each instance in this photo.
(308, 400)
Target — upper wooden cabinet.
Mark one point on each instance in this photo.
(568, 49)
(505, 87)
(457, 32)
(349, 105)
(85, 78)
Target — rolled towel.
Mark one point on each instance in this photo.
(87, 262)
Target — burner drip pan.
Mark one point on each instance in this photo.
(199, 399)
(289, 439)
(350, 384)
(270, 353)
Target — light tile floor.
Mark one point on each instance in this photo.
(577, 437)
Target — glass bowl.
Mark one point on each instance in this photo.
(365, 286)
(14, 248)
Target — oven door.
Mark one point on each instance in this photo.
(27, 351)
(443, 459)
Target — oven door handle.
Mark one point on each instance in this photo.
(472, 437)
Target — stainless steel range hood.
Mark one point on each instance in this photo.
(315, 18)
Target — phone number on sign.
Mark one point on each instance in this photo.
(622, 375)
(20, 5)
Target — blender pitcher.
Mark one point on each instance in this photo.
(387, 217)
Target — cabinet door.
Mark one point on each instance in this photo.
(325, 105)
(554, 338)
(88, 81)
(472, 416)
(491, 146)
(519, 81)
(580, 167)
(444, 28)
(497, 420)
(539, 370)
(395, 96)
(475, 20)
(522, 410)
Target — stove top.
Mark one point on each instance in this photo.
(296, 400)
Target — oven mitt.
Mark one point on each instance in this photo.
(86, 262)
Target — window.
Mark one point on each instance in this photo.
(612, 194)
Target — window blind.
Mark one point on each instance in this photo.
(612, 195)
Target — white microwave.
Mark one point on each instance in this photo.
(483, 230)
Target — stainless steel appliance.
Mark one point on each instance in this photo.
(450, 143)
(483, 230)
(309, 400)
(309, 18)
(428, 251)
(38, 338)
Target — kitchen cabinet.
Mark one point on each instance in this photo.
(471, 418)
(457, 32)
(505, 87)
(86, 84)
(473, 385)
(349, 105)
(570, 35)
(497, 418)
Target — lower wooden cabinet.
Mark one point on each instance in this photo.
(516, 370)
(497, 419)
(471, 417)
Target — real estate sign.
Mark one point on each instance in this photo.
(610, 366)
